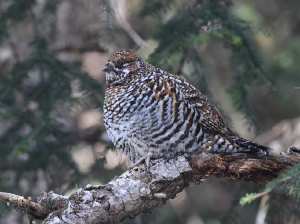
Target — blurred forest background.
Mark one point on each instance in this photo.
(243, 55)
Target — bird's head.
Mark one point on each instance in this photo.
(121, 65)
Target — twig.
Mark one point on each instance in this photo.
(121, 16)
(181, 62)
(262, 193)
(272, 188)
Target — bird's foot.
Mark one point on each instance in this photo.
(145, 158)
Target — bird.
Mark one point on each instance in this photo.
(151, 114)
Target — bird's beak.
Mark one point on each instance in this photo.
(105, 69)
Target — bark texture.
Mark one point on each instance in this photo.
(140, 190)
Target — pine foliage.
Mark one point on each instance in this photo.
(288, 182)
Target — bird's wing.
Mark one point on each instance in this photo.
(211, 120)
(185, 95)
(179, 90)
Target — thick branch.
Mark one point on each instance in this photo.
(259, 169)
(139, 190)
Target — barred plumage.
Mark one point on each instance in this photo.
(148, 111)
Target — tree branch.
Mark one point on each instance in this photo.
(140, 190)
(19, 203)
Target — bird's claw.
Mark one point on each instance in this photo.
(145, 158)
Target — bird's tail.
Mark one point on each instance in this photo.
(251, 147)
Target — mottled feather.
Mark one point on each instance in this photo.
(150, 111)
